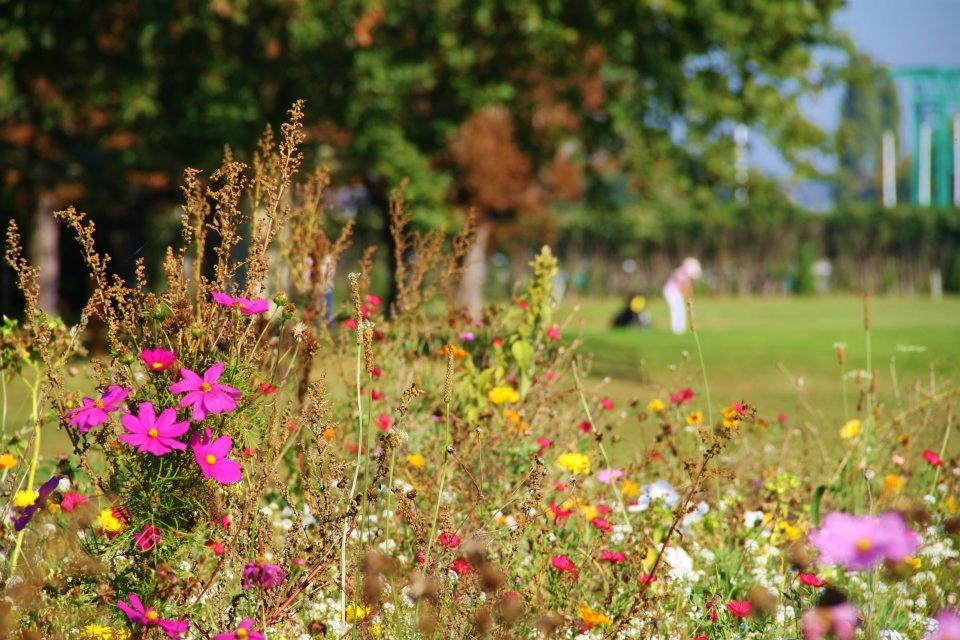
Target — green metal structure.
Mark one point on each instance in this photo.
(934, 98)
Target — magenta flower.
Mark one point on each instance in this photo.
(152, 434)
(137, 613)
(148, 538)
(948, 626)
(212, 457)
(243, 632)
(246, 306)
(205, 394)
(861, 542)
(158, 359)
(262, 574)
(93, 413)
(840, 620)
(613, 557)
(564, 564)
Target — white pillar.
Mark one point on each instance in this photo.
(889, 158)
(924, 166)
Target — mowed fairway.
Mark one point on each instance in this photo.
(776, 353)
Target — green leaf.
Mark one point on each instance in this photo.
(815, 504)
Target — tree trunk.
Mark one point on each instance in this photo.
(45, 254)
(475, 272)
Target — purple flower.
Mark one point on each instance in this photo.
(262, 574)
(245, 305)
(93, 413)
(152, 434)
(242, 632)
(205, 394)
(158, 359)
(840, 620)
(609, 476)
(861, 542)
(467, 336)
(948, 626)
(212, 457)
(43, 498)
(137, 613)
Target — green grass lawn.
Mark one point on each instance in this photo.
(775, 353)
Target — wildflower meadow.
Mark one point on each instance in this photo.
(245, 463)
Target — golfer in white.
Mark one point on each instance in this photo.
(678, 288)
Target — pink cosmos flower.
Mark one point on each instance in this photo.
(559, 513)
(374, 299)
(205, 394)
(602, 524)
(262, 574)
(609, 476)
(72, 500)
(563, 564)
(467, 336)
(543, 444)
(932, 458)
(154, 434)
(812, 580)
(148, 538)
(948, 626)
(448, 540)
(553, 332)
(839, 620)
(246, 306)
(613, 557)
(739, 608)
(93, 413)
(461, 566)
(144, 616)
(861, 542)
(606, 403)
(211, 455)
(158, 359)
(244, 631)
(384, 421)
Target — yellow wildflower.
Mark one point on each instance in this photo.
(376, 630)
(7, 460)
(109, 522)
(513, 417)
(630, 489)
(416, 460)
(25, 498)
(893, 483)
(589, 511)
(356, 612)
(951, 505)
(694, 418)
(913, 562)
(789, 530)
(101, 632)
(656, 405)
(575, 463)
(731, 417)
(501, 395)
(455, 351)
(851, 429)
(593, 618)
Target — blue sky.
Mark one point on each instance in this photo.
(897, 33)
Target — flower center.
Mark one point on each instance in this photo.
(205, 386)
(98, 403)
(241, 633)
(210, 458)
(864, 545)
(153, 433)
(157, 365)
(152, 615)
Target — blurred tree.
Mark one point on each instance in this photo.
(580, 99)
(870, 107)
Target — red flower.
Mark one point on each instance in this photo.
(782, 418)
(811, 580)
(602, 509)
(376, 372)
(350, 323)
(647, 578)
(267, 389)
(448, 540)
(739, 608)
(420, 558)
(553, 332)
(384, 421)
(215, 546)
(585, 427)
(460, 566)
(559, 513)
(374, 299)
(563, 564)
(375, 394)
(545, 443)
(522, 304)
(681, 396)
(72, 500)
(559, 486)
(601, 524)
(498, 342)
(550, 375)
(701, 638)
(613, 557)
(606, 403)
(932, 458)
